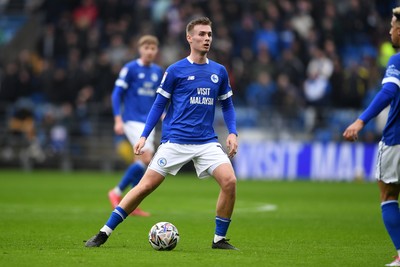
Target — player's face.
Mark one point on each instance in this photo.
(148, 53)
(395, 32)
(200, 38)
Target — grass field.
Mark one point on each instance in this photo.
(46, 215)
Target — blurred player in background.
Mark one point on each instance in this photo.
(192, 86)
(388, 164)
(132, 98)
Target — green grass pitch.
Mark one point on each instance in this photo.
(46, 215)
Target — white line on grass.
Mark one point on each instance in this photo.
(260, 208)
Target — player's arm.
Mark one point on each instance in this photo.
(154, 116)
(116, 104)
(381, 101)
(121, 84)
(229, 115)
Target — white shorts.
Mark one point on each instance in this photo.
(170, 158)
(388, 164)
(133, 130)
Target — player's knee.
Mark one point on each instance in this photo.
(390, 192)
(229, 184)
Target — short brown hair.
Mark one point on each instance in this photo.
(148, 39)
(198, 21)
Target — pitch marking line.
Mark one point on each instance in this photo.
(259, 208)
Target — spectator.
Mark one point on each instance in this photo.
(259, 94)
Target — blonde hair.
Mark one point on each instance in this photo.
(148, 39)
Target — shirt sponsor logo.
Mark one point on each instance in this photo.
(203, 97)
(190, 78)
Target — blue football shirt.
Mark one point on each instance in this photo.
(135, 90)
(193, 90)
(391, 132)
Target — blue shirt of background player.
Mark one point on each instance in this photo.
(193, 90)
(389, 94)
(136, 86)
(391, 132)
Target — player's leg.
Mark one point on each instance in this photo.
(150, 181)
(388, 176)
(135, 171)
(226, 179)
(391, 214)
(212, 160)
(144, 159)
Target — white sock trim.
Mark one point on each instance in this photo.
(106, 230)
(141, 164)
(117, 191)
(218, 238)
(388, 202)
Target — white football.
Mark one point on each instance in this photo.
(163, 236)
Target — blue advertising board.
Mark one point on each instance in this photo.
(291, 160)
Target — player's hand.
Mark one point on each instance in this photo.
(351, 133)
(137, 148)
(118, 125)
(232, 144)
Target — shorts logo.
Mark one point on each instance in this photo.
(214, 78)
(162, 162)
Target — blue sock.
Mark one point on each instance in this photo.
(134, 170)
(222, 225)
(138, 174)
(116, 217)
(391, 219)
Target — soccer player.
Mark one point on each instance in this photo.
(133, 95)
(192, 87)
(388, 165)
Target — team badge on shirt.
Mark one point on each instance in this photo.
(214, 78)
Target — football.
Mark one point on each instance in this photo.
(163, 236)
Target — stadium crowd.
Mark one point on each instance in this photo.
(296, 65)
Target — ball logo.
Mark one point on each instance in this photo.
(214, 78)
(162, 162)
